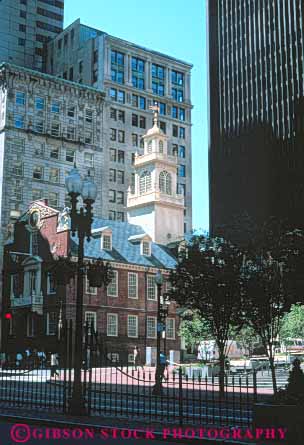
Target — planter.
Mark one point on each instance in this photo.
(291, 417)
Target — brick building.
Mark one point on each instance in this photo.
(124, 313)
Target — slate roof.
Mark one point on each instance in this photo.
(124, 250)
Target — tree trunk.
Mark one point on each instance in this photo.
(222, 372)
(273, 375)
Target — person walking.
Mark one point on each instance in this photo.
(136, 358)
(54, 364)
(162, 365)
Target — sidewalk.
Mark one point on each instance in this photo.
(15, 415)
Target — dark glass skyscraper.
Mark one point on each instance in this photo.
(256, 79)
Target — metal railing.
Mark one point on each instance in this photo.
(125, 391)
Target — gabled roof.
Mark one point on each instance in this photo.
(124, 250)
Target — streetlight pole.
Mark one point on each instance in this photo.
(157, 389)
(81, 222)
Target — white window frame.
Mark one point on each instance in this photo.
(88, 115)
(115, 278)
(49, 292)
(57, 199)
(92, 315)
(142, 247)
(149, 277)
(39, 125)
(116, 325)
(54, 178)
(55, 129)
(55, 106)
(39, 100)
(18, 96)
(66, 154)
(131, 285)
(155, 330)
(48, 323)
(38, 168)
(89, 289)
(19, 121)
(88, 162)
(40, 194)
(134, 317)
(108, 234)
(173, 328)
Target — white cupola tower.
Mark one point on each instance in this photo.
(153, 203)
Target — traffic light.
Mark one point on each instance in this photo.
(8, 316)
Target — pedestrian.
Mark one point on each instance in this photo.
(136, 357)
(199, 353)
(19, 359)
(54, 364)
(162, 365)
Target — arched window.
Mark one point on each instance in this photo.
(144, 182)
(150, 147)
(165, 183)
(161, 146)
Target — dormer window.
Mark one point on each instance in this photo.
(106, 241)
(146, 248)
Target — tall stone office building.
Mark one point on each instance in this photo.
(46, 124)
(133, 78)
(25, 27)
(256, 82)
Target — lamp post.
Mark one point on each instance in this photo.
(81, 222)
(157, 389)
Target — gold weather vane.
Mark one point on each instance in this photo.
(155, 109)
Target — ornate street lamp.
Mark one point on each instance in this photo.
(81, 222)
(157, 389)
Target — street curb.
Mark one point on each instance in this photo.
(67, 423)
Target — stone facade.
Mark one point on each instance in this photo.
(36, 314)
(46, 124)
(133, 78)
(25, 27)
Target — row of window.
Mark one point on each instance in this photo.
(113, 215)
(132, 326)
(55, 106)
(116, 176)
(112, 289)
(117, 156)
(140, 102)
(53, 197)
(117, 135)
(55, 152)
(138, 71)
(54, 173)
(51, 325)
(55, 130)
(116, 196)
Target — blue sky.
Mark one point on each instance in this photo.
(174, 28)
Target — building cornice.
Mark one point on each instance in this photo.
(31, 75)
(163, 58)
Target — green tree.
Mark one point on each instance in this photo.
(194, 328)
(247, 338)
(293, 323)
(207, 280)
(265, 302)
